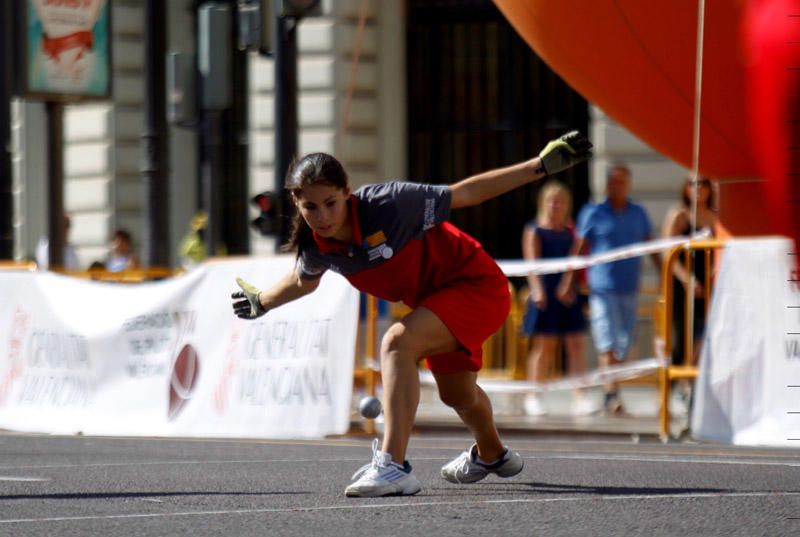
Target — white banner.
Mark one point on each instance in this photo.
(748, 386)
(169, 358)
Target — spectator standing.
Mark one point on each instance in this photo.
(680, 221)
(616, 222)
(551, 320)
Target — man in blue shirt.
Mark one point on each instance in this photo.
(614, 286)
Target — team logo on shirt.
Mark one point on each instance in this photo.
(376, 246)
(376, 239)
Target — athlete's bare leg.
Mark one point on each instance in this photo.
(421, 333)
(461, 392)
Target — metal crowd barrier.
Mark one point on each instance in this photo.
(366, 372)
(687, 370)
(125, 276)
(29, 266)
(505, 353)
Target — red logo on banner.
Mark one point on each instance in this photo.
(183, 379)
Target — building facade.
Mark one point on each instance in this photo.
(362, 111)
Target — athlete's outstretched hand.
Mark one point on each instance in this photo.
(250, 307)
(565, 152)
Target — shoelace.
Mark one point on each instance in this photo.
(375, 463)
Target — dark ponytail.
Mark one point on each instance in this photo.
(312, 169)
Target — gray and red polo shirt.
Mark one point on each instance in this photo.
(403, 248)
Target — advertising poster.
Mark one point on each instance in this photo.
(67, 49)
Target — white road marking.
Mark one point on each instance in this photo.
(183, 462)
(14, 478)
(406, 505)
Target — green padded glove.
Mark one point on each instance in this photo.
(250, 307)
(565, 152)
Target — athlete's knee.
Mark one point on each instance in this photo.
(398, 341)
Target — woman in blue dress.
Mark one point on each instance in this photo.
(548, 320)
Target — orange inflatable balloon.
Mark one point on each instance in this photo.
(636, 60)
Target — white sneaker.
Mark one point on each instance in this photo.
(382, 477)
(533, 405)
(466, 469)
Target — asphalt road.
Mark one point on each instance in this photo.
(570, 487)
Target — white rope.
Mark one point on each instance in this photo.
(523, 267)
(698, 94)
(598, 377)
